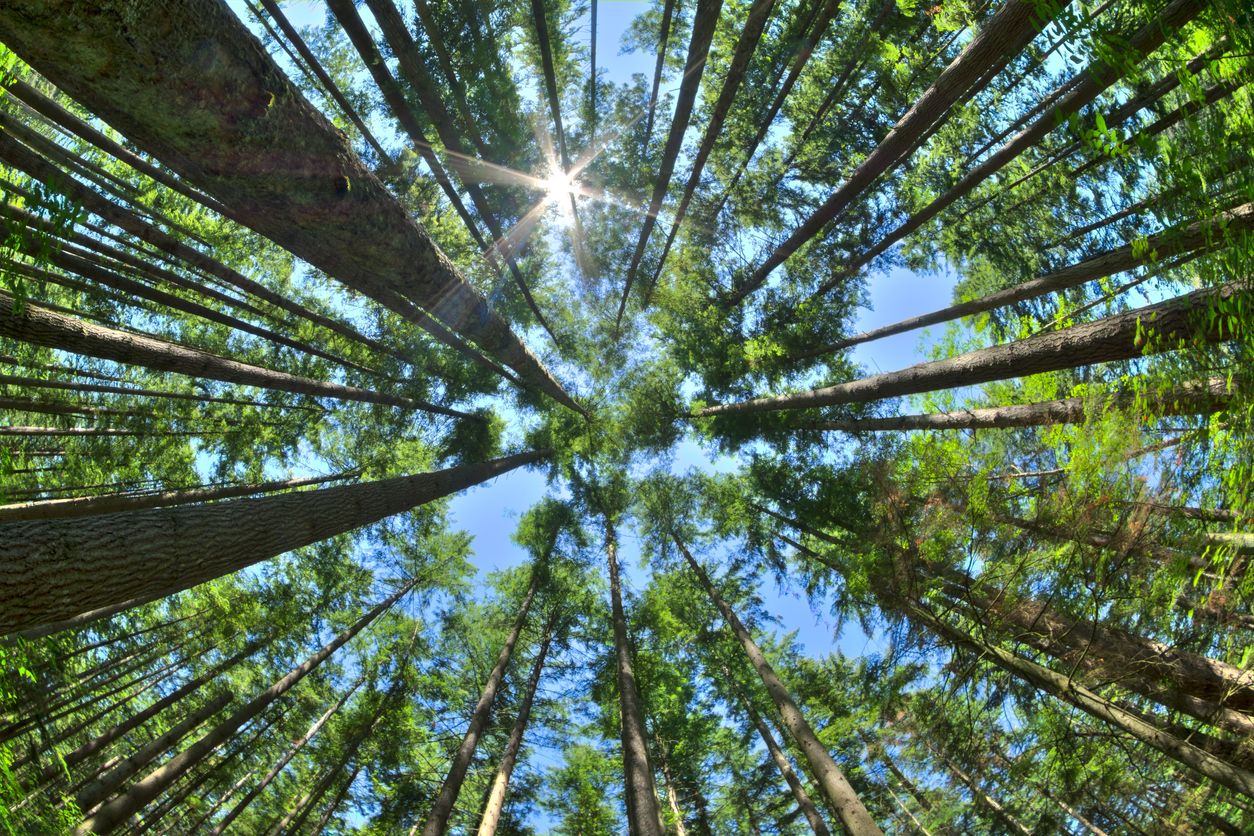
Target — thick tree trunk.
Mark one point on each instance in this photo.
(283, 761)
(1072, 693)
(113, 813)
(1009, 30)
(1190, 400)
(1124, 336)
(500, 784)
(703, 27)
(38, 326)
(644, 811)
(51, 569)
(831, 781)
(442, 807)
(260, 148)
(1196, 238)
(804, 803)
(86, 506)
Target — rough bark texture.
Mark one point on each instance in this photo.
(1168, 325)
(50, 570)
(118, 810)
(190, 85)
(644, 811)
(442, 807)
(1010, 29)
(831, 781)
(500, 784)
(1191, 400)
(90, 505)
(698, 49)
(39, 326)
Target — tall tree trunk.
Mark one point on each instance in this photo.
(113, 813)
(63, 386)
(84, 506)
(337, 801)
(806, 805)
(1003, 815)
(38, 326)
(703, 27)
(1009, 30)
(831, 781)
(663, 41)
(283, 761)
(51, 569)
(500, 784)
(672, 798)
(644, 811)
(442, 807)
(1125, 336)
(346, 223)
(1195, 399)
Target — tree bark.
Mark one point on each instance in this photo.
(1009, 30)
(38, 326)
(51, 569)
(831, 781)
(442, 807)
(663, 41)
(192, 87)
(60, 385)
(118, 810)
(703, 27)
(1125, 336)
(85, 506)
(500, 784)
(644, 811)
(804, 802)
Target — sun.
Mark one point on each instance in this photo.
(558, 185)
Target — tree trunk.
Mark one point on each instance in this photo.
(496, 796)
(257, 146)
(672, 799)
(1002, 814)
(1124, 336)
(113, 813)
(1010, 29)
(703, 27)
(831, 781)
(644, 812)
(38, 326)
(1198, 237)
(336, 802)
(442, 807)
(283, 761)
(85, 506)
(51, 569)
(806, 806)
(663, 41)
(60, 385)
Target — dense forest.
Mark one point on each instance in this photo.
(282, 280)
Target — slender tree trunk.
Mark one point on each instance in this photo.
(703, 27)
(1072, 812)
(113, 813)
(1009, 30)
(831, 781)
(336, 802)
(39, 326)
(644, 812)
(672, 799)
(119, 557)
(806, 805)
(60, 385)
(1125, 336)
(436, 39)
(91, 505)
(109, 54)
(442, 807)
(500, 784)
(1002, 814)
(664, 36)
(283, 761)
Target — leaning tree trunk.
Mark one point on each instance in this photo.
(703, 27)
(37, 326)
(52, 569)
(664, 36)
(804, 803)
(1125, 336)
(1003, 815)
(496, 796)
(442, 807)
(212, 106)
(831, 781)
(644, 811)
(121, 808)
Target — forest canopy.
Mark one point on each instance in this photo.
(281, 280)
